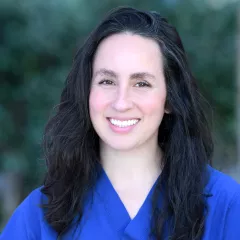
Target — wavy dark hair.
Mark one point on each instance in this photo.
(71, 145)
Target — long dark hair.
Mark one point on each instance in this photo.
(71, 145)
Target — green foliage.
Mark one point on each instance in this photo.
(38, 40)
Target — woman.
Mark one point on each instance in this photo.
(128, 150)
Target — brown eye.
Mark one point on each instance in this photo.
(142, 84)
(106, 82)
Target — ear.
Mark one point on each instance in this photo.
(167, 111)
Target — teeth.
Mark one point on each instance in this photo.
(123, 123)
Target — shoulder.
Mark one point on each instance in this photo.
(31, 205)
(220, 184)
(34, 197)
(27, 221)
(223, 205)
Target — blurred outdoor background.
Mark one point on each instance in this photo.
(38, 40)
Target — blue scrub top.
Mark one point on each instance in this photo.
(108, 219)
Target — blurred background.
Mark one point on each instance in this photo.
(38, 40)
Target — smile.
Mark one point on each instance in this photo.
(125, 123)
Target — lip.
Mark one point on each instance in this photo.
(123, 119)
(121, 130)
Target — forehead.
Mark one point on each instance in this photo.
(128, 52)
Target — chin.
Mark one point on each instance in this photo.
(121, 145)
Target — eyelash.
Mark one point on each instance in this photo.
(109, 82)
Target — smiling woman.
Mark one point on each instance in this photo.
(127, 68)
(128, 152)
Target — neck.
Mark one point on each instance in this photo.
(136, 165)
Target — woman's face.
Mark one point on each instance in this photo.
(128, 91)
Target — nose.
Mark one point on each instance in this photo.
(122, 101)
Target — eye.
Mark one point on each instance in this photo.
(106, 82)
(143, 84)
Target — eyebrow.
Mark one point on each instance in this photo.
(142, 75)
(137, 75)
(105, 72)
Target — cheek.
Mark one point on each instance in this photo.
(154, 105)
(97, 101)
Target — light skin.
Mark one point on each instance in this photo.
(128, 83)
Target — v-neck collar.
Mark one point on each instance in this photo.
(119, 218)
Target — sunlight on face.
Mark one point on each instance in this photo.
(128, 91)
